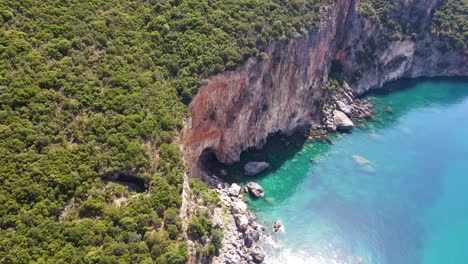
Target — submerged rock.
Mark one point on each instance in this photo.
(255, 167)
(389, 110)
(375, 137)
(369, 169)
(255, 189)
(223, 173)
(269, 200)
(314, 160)
(341, 121)
(361, 160)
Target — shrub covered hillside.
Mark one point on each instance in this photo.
(92, 90)
(451, 21)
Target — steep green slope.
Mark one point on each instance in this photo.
(451, 21)
(91, 90)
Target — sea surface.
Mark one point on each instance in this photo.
(407, 205)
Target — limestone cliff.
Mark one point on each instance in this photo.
(236, 110)
(373, 60)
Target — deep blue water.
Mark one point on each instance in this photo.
(410, 205)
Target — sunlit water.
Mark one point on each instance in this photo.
(409, 206)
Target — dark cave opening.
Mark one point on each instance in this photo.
(207, 161)
(134, 184)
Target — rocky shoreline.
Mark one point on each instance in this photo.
(339, 109)
(295, 86)
(340, 106)
(241, 232)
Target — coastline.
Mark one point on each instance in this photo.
(290, 89)
(235, 207)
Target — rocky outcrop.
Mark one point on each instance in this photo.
(255, 189)
(278, 226)
(257, 255)
(234, 190)
(255, 167)
(339, 106)
(343, 107)
(342, 121)
(236, 110)
(241, 233)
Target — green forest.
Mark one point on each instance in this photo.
(98, 89)
(90, 90)
(451, 21)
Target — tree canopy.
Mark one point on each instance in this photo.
(91, 90)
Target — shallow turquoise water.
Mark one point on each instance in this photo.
(412, 209)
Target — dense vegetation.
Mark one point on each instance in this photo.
(390, 17)
(200, 229)
(92, 90)
(451, 21)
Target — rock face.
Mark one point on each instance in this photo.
(241, 233)
(255, 167)
(239, 109)
(255, 189)
(235, 110)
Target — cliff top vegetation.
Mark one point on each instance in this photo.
(94, 90)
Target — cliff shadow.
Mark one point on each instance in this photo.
(277, 149)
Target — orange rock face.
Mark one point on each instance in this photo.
(236, 110)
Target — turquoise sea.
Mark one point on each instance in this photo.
(409, 205)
